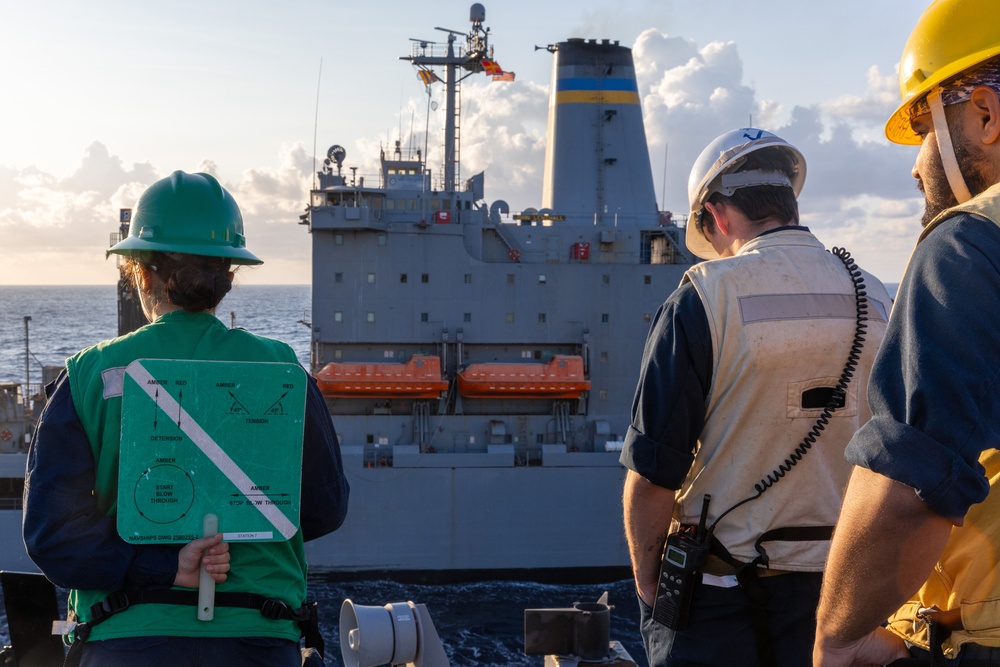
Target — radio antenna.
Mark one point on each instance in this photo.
(412, 113)
(316, 122)
(663, 191)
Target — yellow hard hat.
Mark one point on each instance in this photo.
(951, 37)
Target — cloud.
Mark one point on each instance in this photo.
(858, 192)
(504, 135)
(271, 200)
(56, 231)
(874, 107)
(101, 172)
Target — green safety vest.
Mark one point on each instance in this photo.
(272, 569)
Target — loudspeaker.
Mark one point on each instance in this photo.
(399, 633)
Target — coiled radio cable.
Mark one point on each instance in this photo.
(837, 398)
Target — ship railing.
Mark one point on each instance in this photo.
(353, 180)
(10, 503)
(22, 396)
(428, 49)
(36, 389)
(504, 236)
(529, 456)
(377, 456)
(318, 197)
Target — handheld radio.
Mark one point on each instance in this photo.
(683, 556)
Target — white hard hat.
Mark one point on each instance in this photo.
(712, 172)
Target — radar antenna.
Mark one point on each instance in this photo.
(424, 43)
(337, 153)
(477, 56)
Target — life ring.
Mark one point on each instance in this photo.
(6, 435)
(514, 254)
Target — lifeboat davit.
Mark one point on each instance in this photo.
(562, 377)
(420, 377)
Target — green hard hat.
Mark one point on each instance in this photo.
(187, 213)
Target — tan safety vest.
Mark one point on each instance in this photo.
(782, 316)
(968, 575)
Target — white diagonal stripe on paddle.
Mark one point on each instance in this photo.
(215, 454)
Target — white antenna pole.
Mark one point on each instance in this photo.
(27, 364)
(316, 122)
(427, 126)
(399, 130)
(412, 114)
(663, 192)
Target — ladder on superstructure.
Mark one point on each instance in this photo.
(458, 132)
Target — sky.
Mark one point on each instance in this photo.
(100, 99)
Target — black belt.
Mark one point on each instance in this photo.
(271, 608)
(274, 609)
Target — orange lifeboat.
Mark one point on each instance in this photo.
(420, 377)
(562, 377)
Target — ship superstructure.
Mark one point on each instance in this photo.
(480, 366)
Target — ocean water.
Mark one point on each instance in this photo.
(480, 624)
(65, 320)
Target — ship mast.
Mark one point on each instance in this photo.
(470, 59)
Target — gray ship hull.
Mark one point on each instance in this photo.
(12, 554)
(433, 518)
(441, 519)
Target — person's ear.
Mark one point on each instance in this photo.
(141, 274)
(984, 103)
(721, 214)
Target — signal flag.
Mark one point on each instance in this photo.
(427, 76)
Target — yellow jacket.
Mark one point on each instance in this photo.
(967, 575)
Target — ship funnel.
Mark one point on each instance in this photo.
(596, 157)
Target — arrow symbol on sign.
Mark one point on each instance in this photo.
(236, 402)
(277, 402)
(180, 407)
(273, 495)
(156, 408)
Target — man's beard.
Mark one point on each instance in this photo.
(938, 195)
(937, 192)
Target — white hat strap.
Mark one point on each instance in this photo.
(945, 148)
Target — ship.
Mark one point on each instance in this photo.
(479, 365)
(15, 431)
(20, 403)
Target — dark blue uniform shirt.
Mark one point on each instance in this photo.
(935, 385)
(668, 411)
